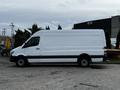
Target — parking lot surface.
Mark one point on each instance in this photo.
(59, 77)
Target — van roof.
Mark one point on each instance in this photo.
(72, 30)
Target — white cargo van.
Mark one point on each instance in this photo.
(81, 46)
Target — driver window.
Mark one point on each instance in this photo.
(34, 41)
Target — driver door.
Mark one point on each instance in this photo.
(31, 49)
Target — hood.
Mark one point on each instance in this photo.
(15, 49)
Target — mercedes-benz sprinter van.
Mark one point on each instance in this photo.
(82, 46)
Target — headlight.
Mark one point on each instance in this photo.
(11, 52)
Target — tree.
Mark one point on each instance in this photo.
(118, 40)
(47, 28)
(59, 27)
(34, 28)
(18, 38)
(21, 37)
(26, 34)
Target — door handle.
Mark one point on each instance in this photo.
(37, 48)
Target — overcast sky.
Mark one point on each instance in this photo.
(23, 13)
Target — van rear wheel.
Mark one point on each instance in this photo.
(21, 62)
(84, 61)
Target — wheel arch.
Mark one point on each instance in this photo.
(23, 57)
(84, 55)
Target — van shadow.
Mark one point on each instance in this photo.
(48, 65)
(53, 65)
(92, 66)
(98, 66)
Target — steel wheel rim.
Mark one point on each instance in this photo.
(21, 62)
(84, 62)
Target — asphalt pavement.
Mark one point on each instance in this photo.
(59, 77)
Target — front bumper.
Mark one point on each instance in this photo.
(13, 58)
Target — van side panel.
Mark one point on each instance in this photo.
(67, 43)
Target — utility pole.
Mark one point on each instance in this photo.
(12, 29)
(12, 35)
(4, 32)
(3, 35)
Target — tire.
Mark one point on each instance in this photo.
(84, 61)
(21, 62)
(2, 54)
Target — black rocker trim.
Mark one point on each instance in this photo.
(13, 58)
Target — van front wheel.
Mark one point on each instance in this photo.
(21, 62)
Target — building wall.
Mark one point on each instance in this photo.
(115, 26)
(104, 24)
